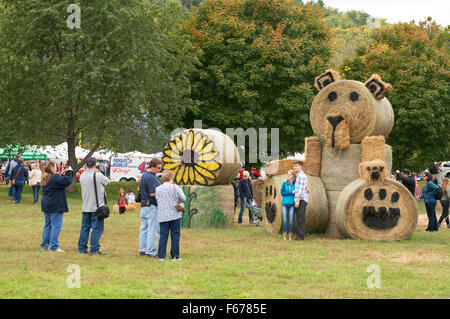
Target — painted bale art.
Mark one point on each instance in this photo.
(204, 163)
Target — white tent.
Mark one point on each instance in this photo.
(139, 154)
(59, 152)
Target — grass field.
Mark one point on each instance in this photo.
(241, 262)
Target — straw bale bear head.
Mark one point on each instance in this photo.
(345, 111)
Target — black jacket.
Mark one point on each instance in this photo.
(54, 193)
(409, 183)
(245, 189)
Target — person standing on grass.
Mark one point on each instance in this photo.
(246, 195)
(35, 182)
(148, 233)
(445, 202)
(12, 163)
(89, 220)
(430, 202)
(288, 204)
(19, 175)
(407, 180)
(54, 204)
(301, 199)
(169, 218)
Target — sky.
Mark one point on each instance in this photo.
(398, 10)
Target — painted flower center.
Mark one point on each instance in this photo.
(189, 157)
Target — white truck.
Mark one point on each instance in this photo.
(128, 168)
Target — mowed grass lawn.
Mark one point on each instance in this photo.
(241, 262)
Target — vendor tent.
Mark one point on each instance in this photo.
(27, 153)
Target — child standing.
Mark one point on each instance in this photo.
(122, 202)
(131, 198)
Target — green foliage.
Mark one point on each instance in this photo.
(415, 60)
(119, 76)
(258, 63)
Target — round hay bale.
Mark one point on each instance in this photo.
(376, 211)
(332, 230)
(366, 115)
(279, 167)
(201, 157)
(313, 156)
(258, 186)
(316, 215)
(372, 148)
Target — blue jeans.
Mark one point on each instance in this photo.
(18, 188)
(288, 209)
(148, 233)
(431, 212)
(241, 212)
(11, 192)
(174, 227)
(52, 228)
(36, 192)
(445, 206)
(88, 221)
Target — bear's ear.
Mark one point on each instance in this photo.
(377, 87)
(326, 78)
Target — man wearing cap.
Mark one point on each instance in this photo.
(89, 220)
(148, 233)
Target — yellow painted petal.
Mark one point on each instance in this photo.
(190, 140)
(198, 178)
(191, 175)
(210, 166)
(204, 172)
(184, 138)
(179, 174)
(207, 157)
(186, 175)
(197, 139)
(207, 148)
(172, 153)
(171, 166)
(179, 144)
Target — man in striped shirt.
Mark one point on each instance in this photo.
(301, 199)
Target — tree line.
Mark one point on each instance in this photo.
(137, 69)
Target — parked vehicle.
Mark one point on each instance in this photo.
(128, 169)
(255, 173)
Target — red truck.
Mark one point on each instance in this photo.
(255, 173)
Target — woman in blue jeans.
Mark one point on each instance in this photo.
(169, 218)
(287, 192)
(445, 202)
(430, 202)
(35, 178)
(54, 204)
(20, 176)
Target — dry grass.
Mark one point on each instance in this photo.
(241, 262)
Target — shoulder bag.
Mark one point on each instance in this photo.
(180, 205)
(102, 211)
(13, 182)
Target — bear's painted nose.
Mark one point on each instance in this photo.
(334, 120)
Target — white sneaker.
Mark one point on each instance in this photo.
(161, 259)
(177, 259)
(57, 251)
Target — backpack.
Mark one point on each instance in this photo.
(438, 193)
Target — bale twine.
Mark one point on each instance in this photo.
(258, 187)
(316, 216)
(280, 167)
(372, 147)
(201, 157)
(376, 211)
(313, 156)
(366, 116)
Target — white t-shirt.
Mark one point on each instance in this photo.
(131, 198)
(36, 174)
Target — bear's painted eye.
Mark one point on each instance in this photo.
(332, 96)
(354, 96)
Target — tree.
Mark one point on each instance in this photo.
(415, 60)
(124, 65)
(258, 64)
